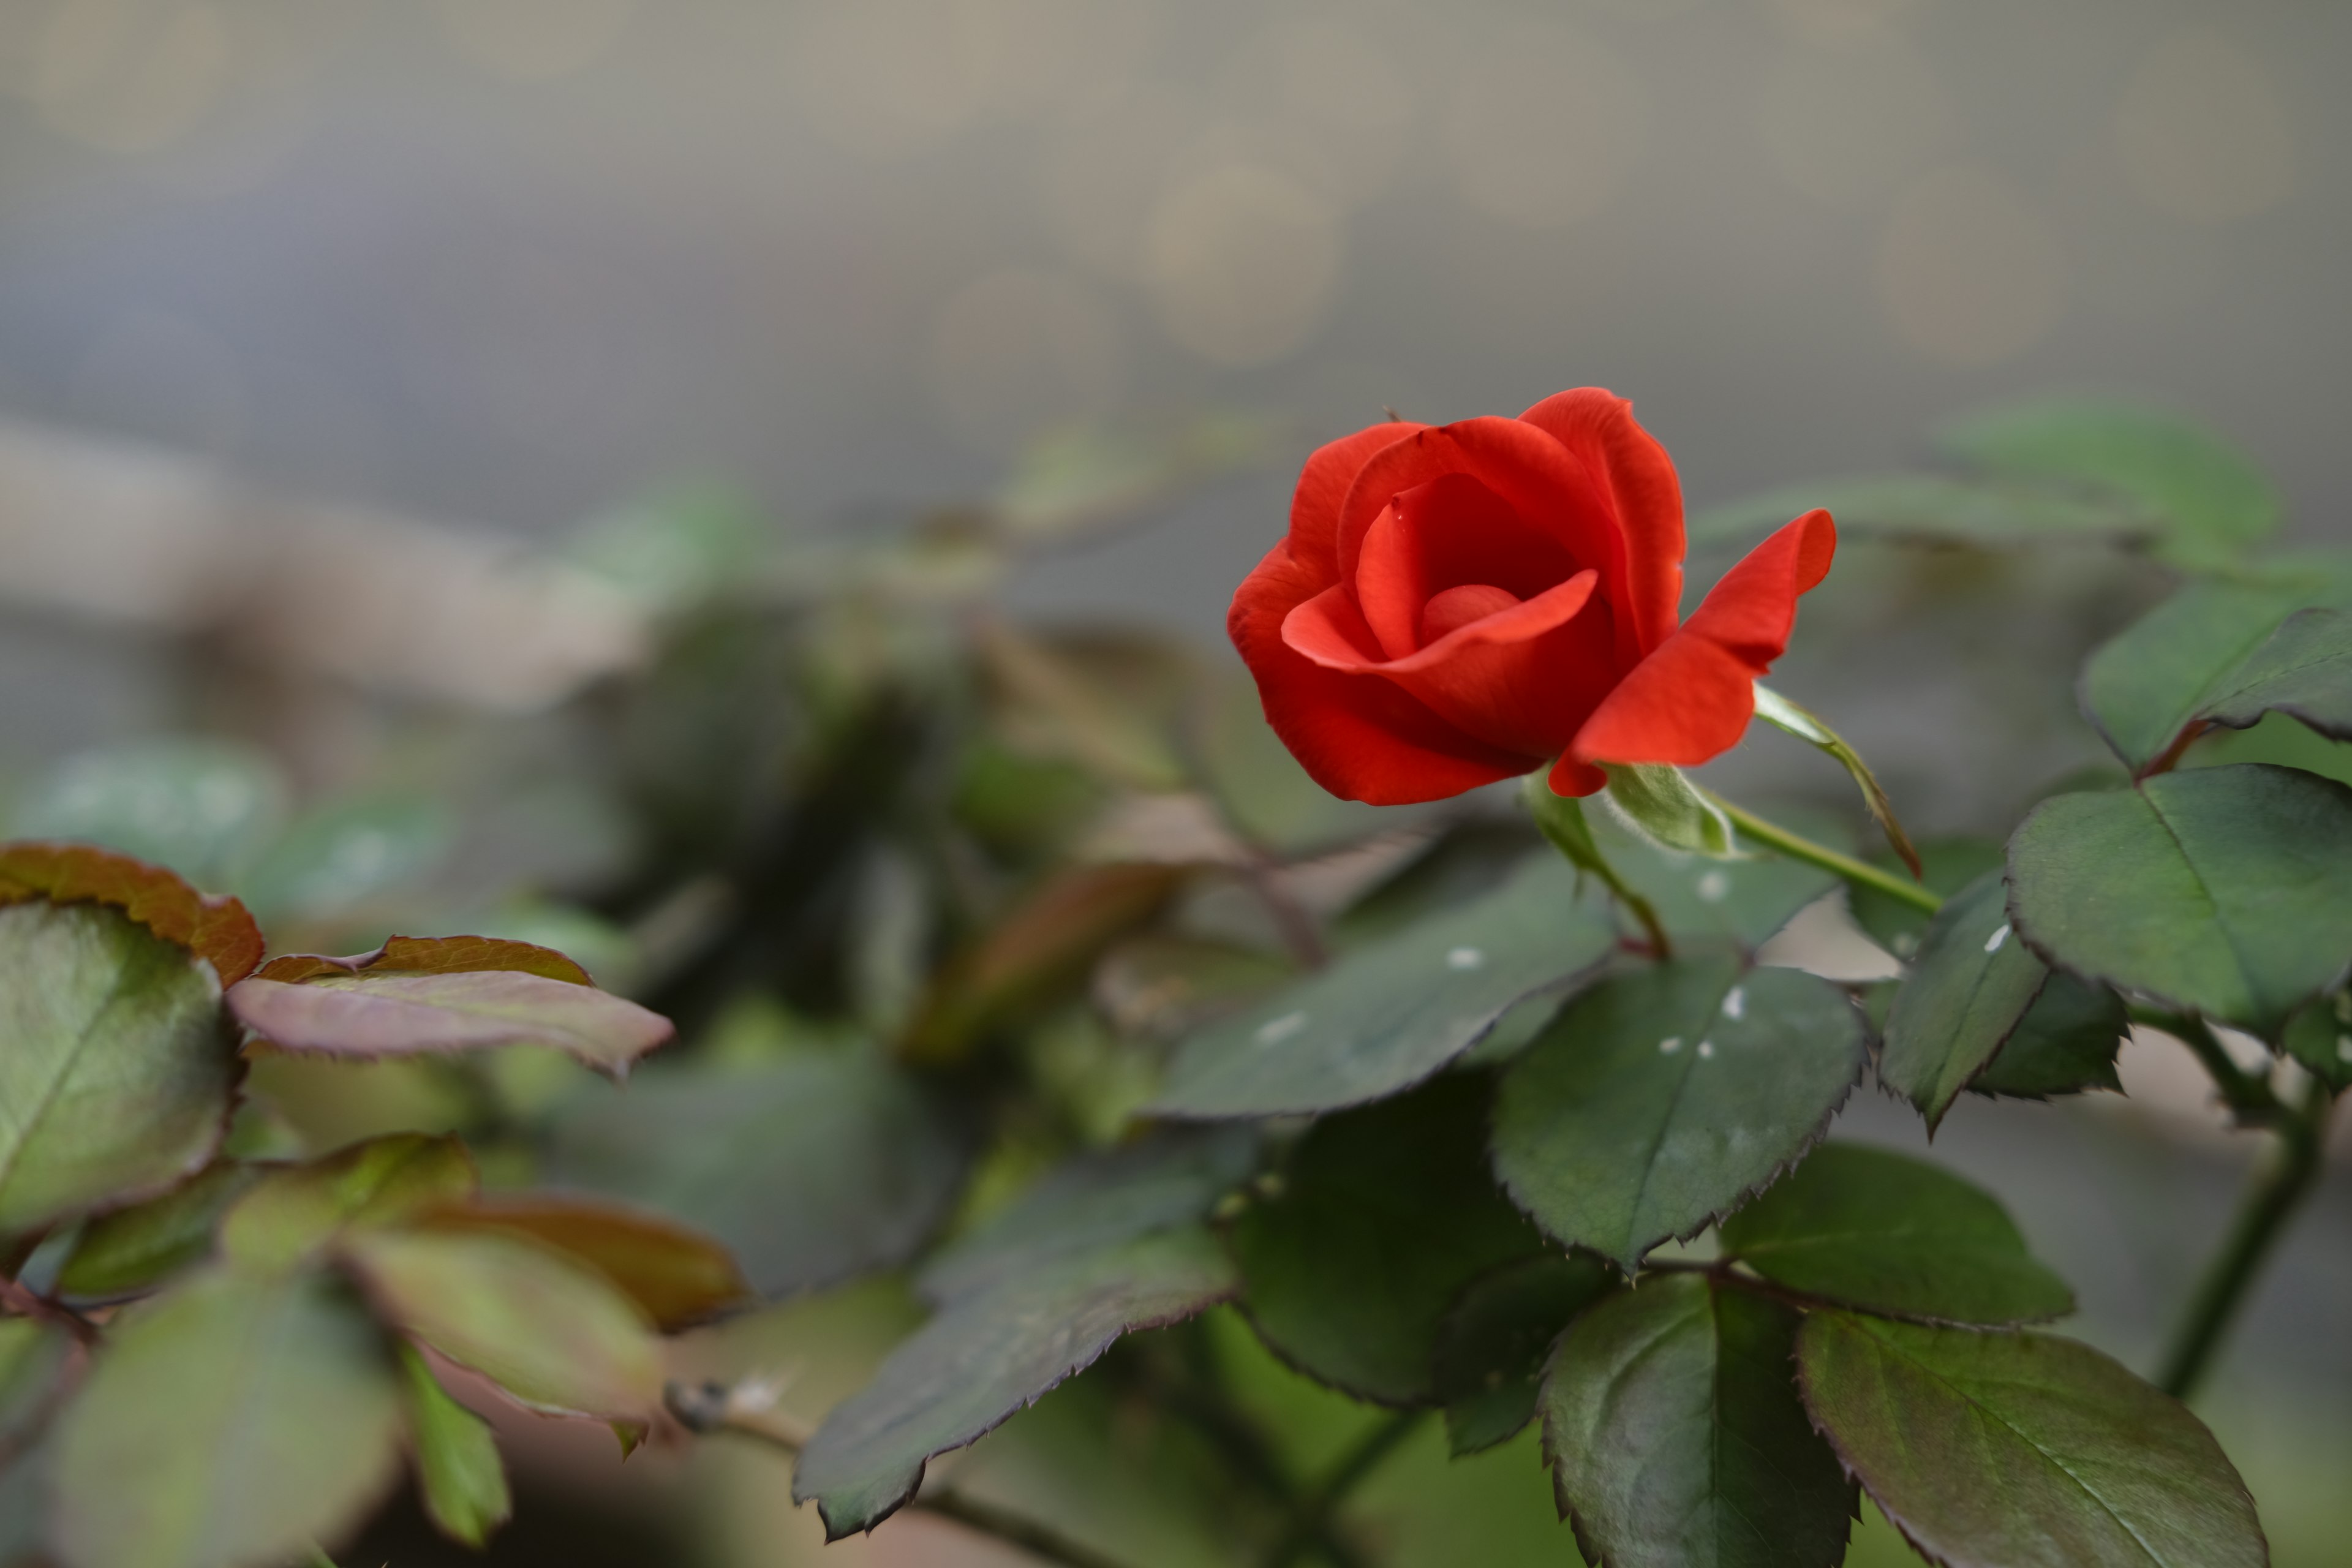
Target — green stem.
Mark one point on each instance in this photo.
(2248, 1095)
(1311, 1524)
(2284, 1179)
(1861, 873)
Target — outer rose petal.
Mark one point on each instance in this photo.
(1357, 735)
(1323, 485)
(1635, 472)
(1691, 699)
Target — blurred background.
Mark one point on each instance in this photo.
(371, 372)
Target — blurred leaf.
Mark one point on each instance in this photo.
(674, 547)
(814, 1171)
(2213, 500)
(1965, 996)
(447, 994)
(1064, 700)
(2227, 892)
(2013, 1447)
(988, 1355)
(132, 1251)
(216, 930)
(551, 1331)
(1160, 986)
(1675, 1437)
(1990, 514)
(1022, 805)
(1697, 897)
(459, 1476)
(1893, 1235)
(1660, 1097)
(1494, 1339)
(1382, 1217)
(1172, 1176)
(33, 1358)
(2065, 1043)
(202, 808)
(1046, 944)
(294, 1211)
(1782, 713)
(678, 1276)
(1945, 865)
(117, 1074)
(1079, 477)
(2147, 689)
(1664, 803)
(2319, 1037)
(1260, 787)
(1390, 1014)
(2305, 670)
(342, 855)
(228, 1423)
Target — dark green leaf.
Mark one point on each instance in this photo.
(1967, 993)
(202, 808)
(2227, 892)
(459, 1476)
(1174, 1176)
(812, 1170)
(2145, 687)
(988, 1355)
(292, 1212)
(1946, 864)
(1698, 898)
(2065, 1043)
(1382, 1214)
(2021, 1448)
(2319, 1037)
(2303, 670)
(1659, 1099)
(227, 1423)
(1388, 1015)
(1889, 1234)
(678, 1276)
(2213, 500)
(549, 1331)
(132, 1251)
(1676, 1440)
(1985, 513)
(116, 1077)
(1494, 1339)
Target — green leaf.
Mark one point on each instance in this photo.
(132, 1251)
(216, 930)
(1382, 1217)
(988, 1355)
(2146, 689)
(1390, 1014)
(117, 1075)
(1675, 1437)
(1659, 1099)
(293, 1212)
(1783, 714)
(1174, 1176)
(2065, 1043)
(33, 1359)
(2213, 500)
(2226, 891)
(455, 994)
(1966, 993)
(202, 808)
(1945, 865)
(2319, 1037)
(1494, 1339)
(821, 1167)
(1889, 1234)
(678, 1276)
(227, 1423)
(341, 854)
(2023, 1448)
(1663, 802)
(2303, 670)
(459, 1476)
(553, 1332)
(1699, 898)
(1988, 513)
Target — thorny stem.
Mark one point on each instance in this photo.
(1310, 1525)
(17, 1299)
(2280, 1182)
(712, 1407)
(1796, 846)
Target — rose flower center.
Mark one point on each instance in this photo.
(1454, 608)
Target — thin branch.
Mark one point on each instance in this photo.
(26, 1303)
(1796, 846)
(714, 1408)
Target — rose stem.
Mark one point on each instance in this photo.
(1796, 847)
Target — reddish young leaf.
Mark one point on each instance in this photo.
(679, 1276)
(217, 928)
(431, 955)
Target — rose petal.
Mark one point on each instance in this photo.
(1323, 485)
(1329, 629)
(1691, 699)
(1638, 478)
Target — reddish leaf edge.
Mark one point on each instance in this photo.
(216, 927)
(428, 955)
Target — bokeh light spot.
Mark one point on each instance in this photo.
(1969, 272)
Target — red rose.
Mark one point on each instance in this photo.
(1462, 604)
